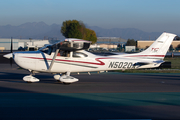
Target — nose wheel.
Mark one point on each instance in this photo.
(30, 78)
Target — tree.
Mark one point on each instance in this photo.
(71, 29)
(131, 42)
(178, 47)
(90, 35)
(171, 48)
(146, 47)
(77, 29)
(177, 38)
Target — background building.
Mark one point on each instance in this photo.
(144, 44)
(21, 43)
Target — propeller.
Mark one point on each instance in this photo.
(11, 59)
(10, 55)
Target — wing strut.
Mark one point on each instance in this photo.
(52, 62)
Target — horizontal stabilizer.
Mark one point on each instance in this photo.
(158, 62)
(154, 63)
(141, 63)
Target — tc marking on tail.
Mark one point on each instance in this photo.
(154, 49)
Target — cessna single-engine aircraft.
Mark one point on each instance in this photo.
(69, 56)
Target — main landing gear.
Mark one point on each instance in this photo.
(65, 78)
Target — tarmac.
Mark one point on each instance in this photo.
(104, 96)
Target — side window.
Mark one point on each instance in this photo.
(79, 55)
(64, 53)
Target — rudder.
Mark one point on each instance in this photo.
(160, 47)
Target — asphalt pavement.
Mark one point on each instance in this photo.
(95, 97)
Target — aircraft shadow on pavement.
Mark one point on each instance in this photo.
(18, 77)
(22, 104)
(48, 78)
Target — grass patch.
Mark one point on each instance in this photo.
(175, 62)
(151, 71)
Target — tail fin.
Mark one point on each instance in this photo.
(159, 48)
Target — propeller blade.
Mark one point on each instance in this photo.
(11, 59)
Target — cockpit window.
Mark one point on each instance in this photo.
(64, 53)
(79, 54)
(47, 50)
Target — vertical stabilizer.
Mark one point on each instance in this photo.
(158, 49)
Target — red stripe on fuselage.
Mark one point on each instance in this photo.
(97, 59)
(145, 56)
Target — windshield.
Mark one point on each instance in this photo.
(46, 49)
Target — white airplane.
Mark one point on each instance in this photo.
(69, 56)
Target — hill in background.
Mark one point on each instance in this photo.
(40, 30)
(125, 33)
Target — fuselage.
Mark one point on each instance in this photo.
(79, 61)
(70, 56)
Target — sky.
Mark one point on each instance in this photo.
(146, 15)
